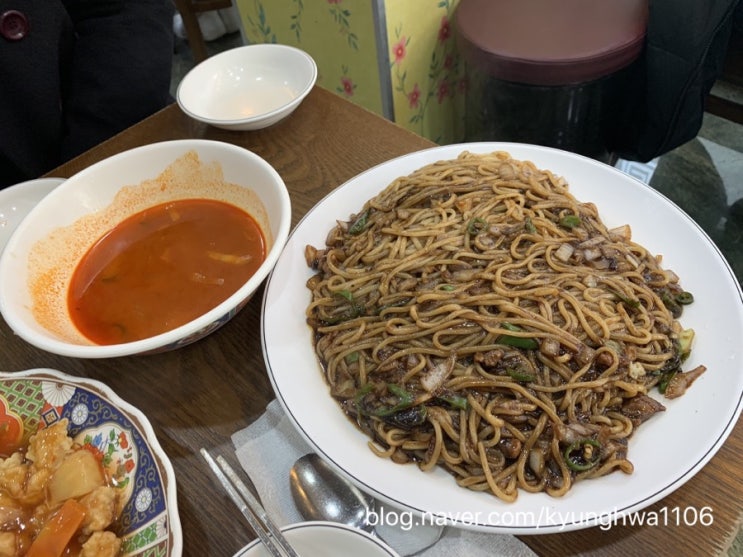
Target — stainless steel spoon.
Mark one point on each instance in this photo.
(321, 493)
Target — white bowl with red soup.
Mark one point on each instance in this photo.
(145, 251)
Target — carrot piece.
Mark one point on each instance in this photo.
(58, 531)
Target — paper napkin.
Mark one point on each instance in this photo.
(268, 448)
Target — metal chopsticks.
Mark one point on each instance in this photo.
(252, 510)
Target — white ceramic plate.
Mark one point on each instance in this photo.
(325, 539)
(100, 420)
(16, 201)
(666, 452)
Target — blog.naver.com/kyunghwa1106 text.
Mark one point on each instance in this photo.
(546, 518)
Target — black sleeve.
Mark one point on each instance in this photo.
(80, 10)
(121, 68)
(31, 72)
(686, 44)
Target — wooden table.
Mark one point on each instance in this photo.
(201, 394)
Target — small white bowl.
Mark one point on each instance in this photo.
(248, 87)
(60, 229)
(325, 539)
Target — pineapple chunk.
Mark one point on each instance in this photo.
(78, 474)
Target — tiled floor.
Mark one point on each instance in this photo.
(706, 177)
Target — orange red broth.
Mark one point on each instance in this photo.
(162, 268)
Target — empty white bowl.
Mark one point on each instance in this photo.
(49, 242)
(325, 539)
(248, 87)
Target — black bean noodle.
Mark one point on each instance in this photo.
(474, 315)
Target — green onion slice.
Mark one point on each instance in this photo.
(582, 455)
(359, 224)
(475, 225)
(520, 375)
(526, 343)
(684, 298)
(570, 221)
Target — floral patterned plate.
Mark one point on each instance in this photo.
(119, 433)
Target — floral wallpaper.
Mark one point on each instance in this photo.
(395, 57)
(427, 74)
(338, 34)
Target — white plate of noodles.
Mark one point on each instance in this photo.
(665, 451)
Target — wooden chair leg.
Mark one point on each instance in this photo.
(193, 31)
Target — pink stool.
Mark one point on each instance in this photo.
(549, 72)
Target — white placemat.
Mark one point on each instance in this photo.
(268, 448)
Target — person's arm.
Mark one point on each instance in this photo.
(35, 43)
(120, 71)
